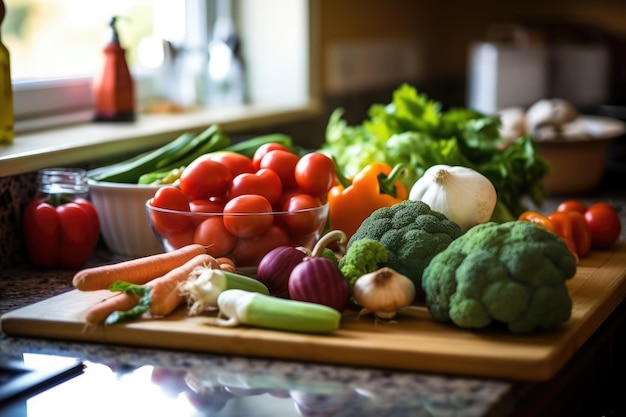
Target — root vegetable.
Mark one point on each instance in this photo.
(383, 292)
(463, 195)
(160, 297)
(137, 271)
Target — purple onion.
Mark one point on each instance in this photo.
(319, 280)
(275, 268)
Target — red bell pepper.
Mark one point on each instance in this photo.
(547, 223)
(571, 226)
(60, 232)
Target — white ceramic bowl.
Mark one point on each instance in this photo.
(578, 160)
(124, 224)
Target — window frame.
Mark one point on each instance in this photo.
(67, 136)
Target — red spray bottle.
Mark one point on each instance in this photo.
(113, 89)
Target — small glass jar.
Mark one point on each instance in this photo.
(61, 227)
(70, 183)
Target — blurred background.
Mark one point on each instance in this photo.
(486, 54)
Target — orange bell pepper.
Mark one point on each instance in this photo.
(539, 219)
(374, 187)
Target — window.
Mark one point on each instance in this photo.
(56, 49)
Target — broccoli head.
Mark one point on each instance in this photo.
(411, 232)
(364, 256)
(330, 254)
(512, 273)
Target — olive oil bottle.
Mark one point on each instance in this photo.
(6, 91)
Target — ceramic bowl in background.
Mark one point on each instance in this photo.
(578, 158)
(124, 225)
(243, 237)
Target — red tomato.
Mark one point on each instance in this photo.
(604, 225)
(171, 198)
(264, 182)
(213, 234)
(262, 150)
(307, 221)
(204, 178)
(250, 251)
(206, 206)
(248, 215)
(572, 205)
(179, 239)
(235, 162)
(315, 173)
(284, 164)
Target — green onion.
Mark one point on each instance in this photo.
(205, 285)
(175, 154)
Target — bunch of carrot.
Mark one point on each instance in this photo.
(158, 275)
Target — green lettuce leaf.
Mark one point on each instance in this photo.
(414, 130)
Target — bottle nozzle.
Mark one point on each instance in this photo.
(114, 34)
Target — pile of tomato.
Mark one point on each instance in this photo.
(583, 227)
(274, 198)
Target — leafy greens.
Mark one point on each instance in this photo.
(415, 131)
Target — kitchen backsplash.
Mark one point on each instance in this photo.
(15, 193)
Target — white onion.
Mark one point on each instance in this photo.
(464, 195)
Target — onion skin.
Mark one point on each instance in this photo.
(275, 268)
(319, 280)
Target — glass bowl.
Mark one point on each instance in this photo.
(243, 237)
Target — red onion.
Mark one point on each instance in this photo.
(276, 266)
(319, 280)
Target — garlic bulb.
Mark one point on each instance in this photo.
(383, 292)
(464, 195)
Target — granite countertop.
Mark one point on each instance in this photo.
(379, 392)
(349, 391)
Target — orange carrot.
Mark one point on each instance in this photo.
(159, 296)
(226, 264)
(165, 294)
(136, 271)
(119, 302)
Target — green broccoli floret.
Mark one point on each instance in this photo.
(364, 256)
(330, 254)
(412, 233)
(512, 273)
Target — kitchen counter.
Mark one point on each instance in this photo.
(185, 382)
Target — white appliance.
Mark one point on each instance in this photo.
(506, 71)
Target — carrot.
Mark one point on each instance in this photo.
(226, 264)
(119, 302)
(165, 294)
(136, 271)
(160, 296)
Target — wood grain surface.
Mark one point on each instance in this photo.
(413, 342)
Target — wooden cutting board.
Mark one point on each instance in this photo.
(415, 342)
